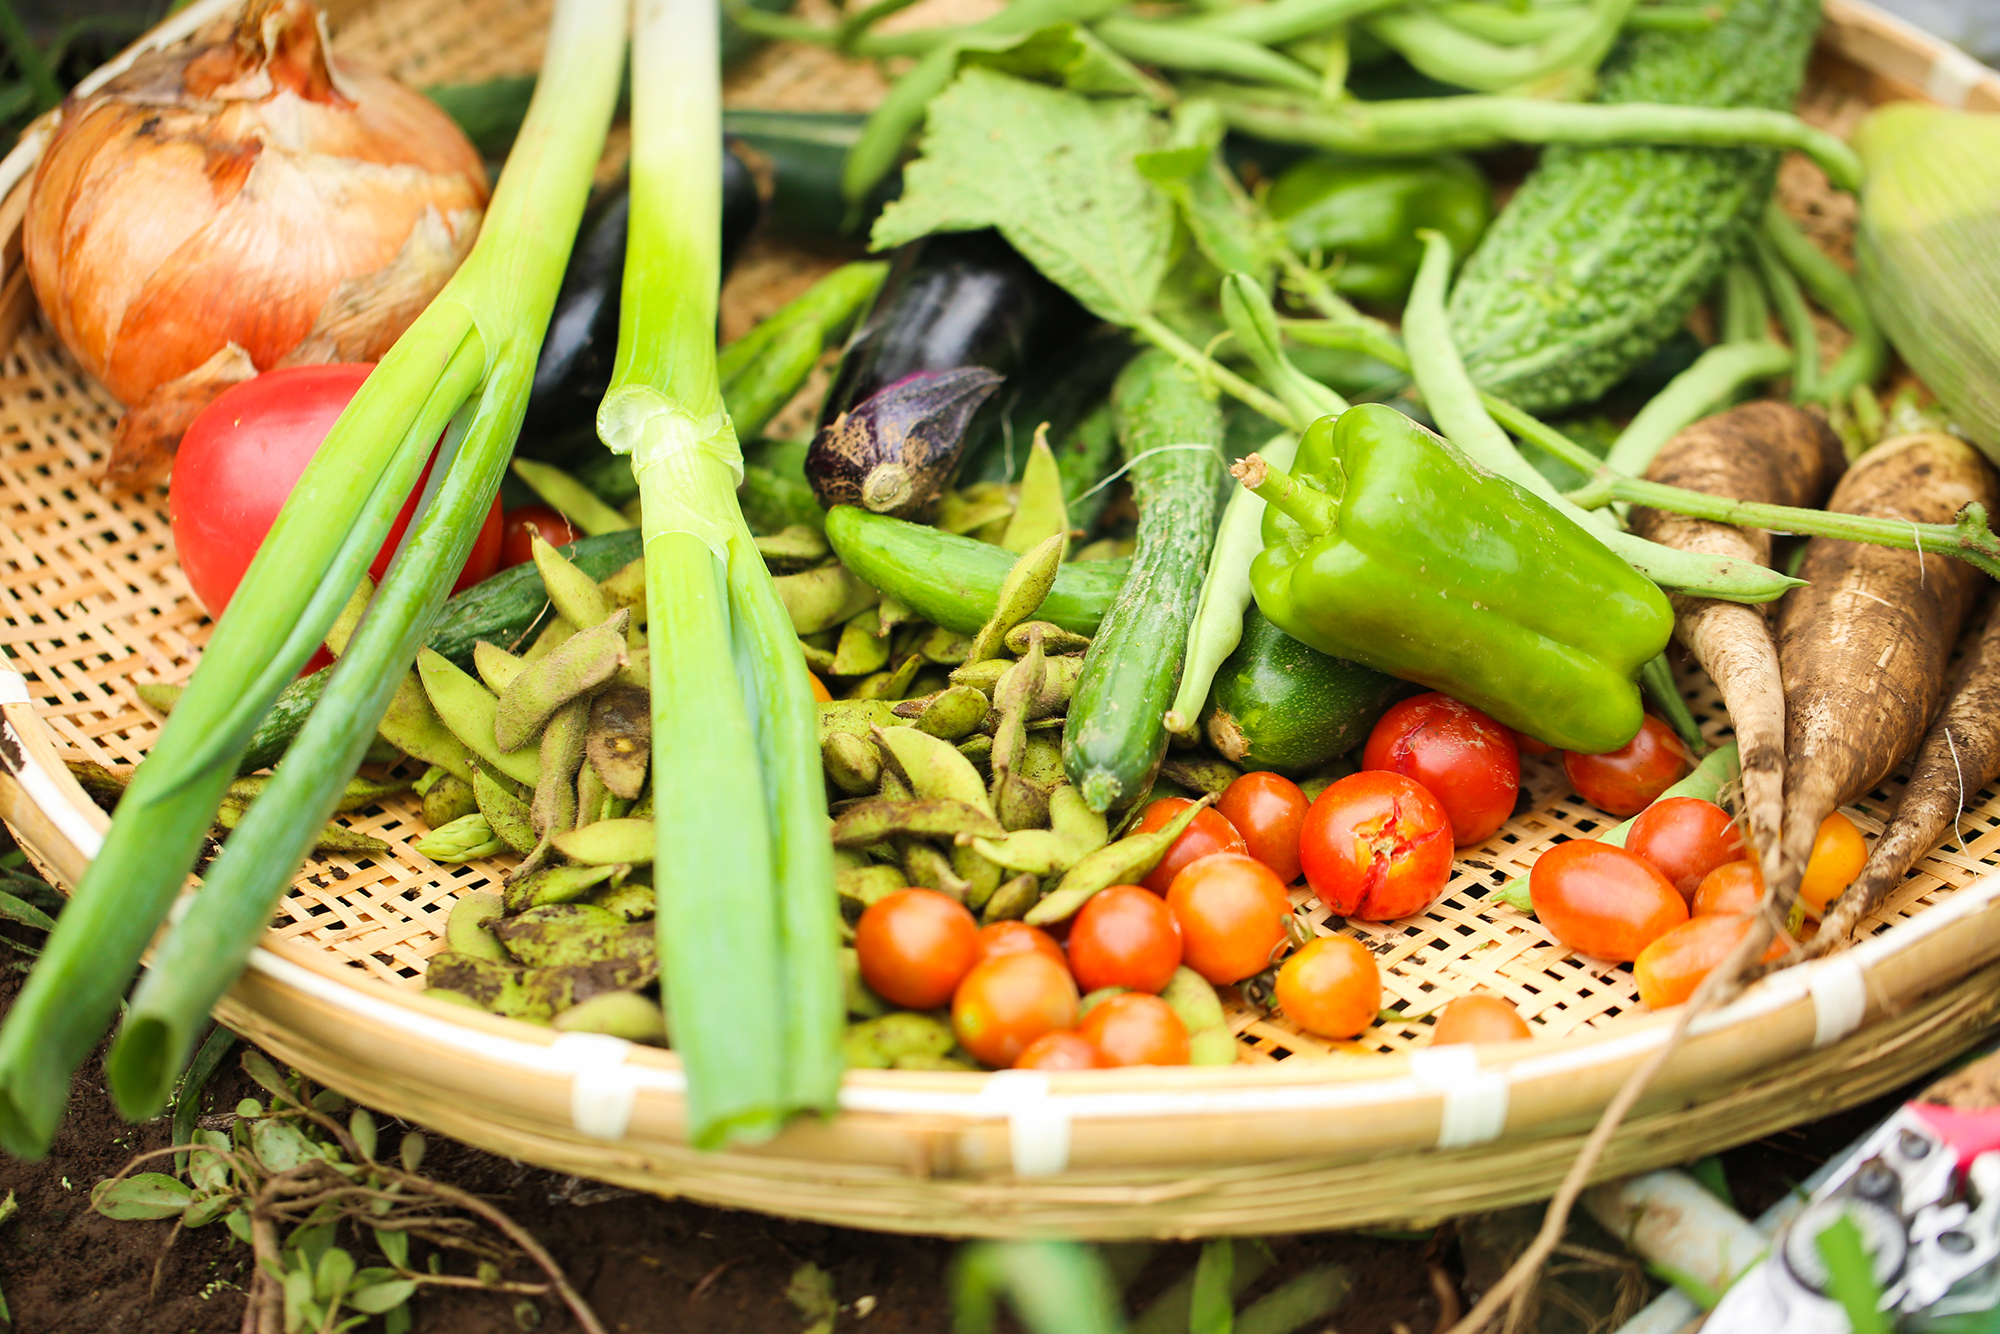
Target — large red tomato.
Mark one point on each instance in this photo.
(239, 461)
(1376, 846)
(1470, 763)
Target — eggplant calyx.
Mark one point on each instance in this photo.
(895, 451)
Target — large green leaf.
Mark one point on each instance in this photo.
(146, 1195)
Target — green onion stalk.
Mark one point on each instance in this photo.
(747, 921)
(462, 369)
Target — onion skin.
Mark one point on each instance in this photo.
(240, 202)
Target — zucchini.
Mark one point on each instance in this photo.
(1601, 254)
(505, 607)
(1170, 431)
(1281, 705)
(954, 581)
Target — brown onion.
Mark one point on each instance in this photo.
(237, 202)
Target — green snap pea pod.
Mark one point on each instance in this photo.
(863, 885)
(463, 705)
(1746, 315)
(553, 636)
(590, 658)
(980, 876)
(1085, 459)
(594, 801)
(1716, 770)
(978, 748)
(559, 935)
(510, 817)
(893, 684)
(954, 713)
(1285, 20)
(1450, 55)
(869, 822)
(1199, 773)
(577, 597)
(1023, 590)
(1036, 776)
(468, 929)
(852, 764)
(627, 842)
(553, 884)
(618, 1014)
(626, 587)
(762, 370)
(860, 1000)
(947, 648)
(1016, 691)
(1038, 852)
(1056, 641)
(1835, 289)
(619, 742)
(466, 839)
(497, 668)
(1013, 900)
(855, 716)
(554, 808)
(331, 837)
(927, 866)
(1714, 377)
(983, 676)
(820, 599)
(570, 498)
(633, 899)
(1172, 46)
(1656, 678)
(412, 726)
(932, 767)
(359, 793)
(1122, 863)
(861, 651)
(449, 798)
(1061, 677)
(1789, 300)
(1040, 513)
(1199, 1009)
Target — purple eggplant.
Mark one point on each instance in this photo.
(957, 314)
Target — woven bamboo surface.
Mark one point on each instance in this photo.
(91, 603)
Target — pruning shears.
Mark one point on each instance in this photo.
(1923, 1193)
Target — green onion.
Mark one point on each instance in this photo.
(747, 915)
(465, 363)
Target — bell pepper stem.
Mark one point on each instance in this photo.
(1314, 511)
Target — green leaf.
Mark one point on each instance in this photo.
(280, 1145)
(258, 1066)
(238, 1224)
(395, 1246)
(1056, 1287)
(397, 1321)
(1228, 228)
(1053, 170)
(362, 1126)
(1211, 1311)
(411, 1150)
(27, 914)
(206, 1209)
(301, 1312)
(378, 1298)
(1067, 55)
(332, 1275)
(209, 1172)
(1850, 1276)
(146, 1195)
(308, 1244)
(811, 1293)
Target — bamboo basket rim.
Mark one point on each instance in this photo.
(1026, 1127)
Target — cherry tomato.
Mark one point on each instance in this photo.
(1062, 1050)
(1016, 937)
(1478, 1018)
(1136, 1029)
(1207, 835)
(914, 945)
(1470, 763)
(1232, 910)
(1685, 838)
(239, 461)
(1008, 1001)
(1267, 809)
(520, 527)
(1376, 846)
(1733, 887)
(1669, 969)
(1625, 781)
(820, 692)
(1839, 852)
(1125, 936)
(1532, 745)
(1602, 900)
(1331, 987)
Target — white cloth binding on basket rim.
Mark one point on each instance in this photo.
(602, 1091)
(1839, 991)
(35, 782)
(1037, 1124)
(1474, 1099)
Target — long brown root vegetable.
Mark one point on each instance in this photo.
(1960, 756)
(1865, 645)
(1768, 452)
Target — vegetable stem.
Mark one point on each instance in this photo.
(1188, 355)
(1836, 291)
(1715, 375)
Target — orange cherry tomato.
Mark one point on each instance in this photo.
(1602, 900)
(1014, 937)
(1008, 1001)
(1686, 838)
(914, 945)
(1207, 835)
(520, 527)
(1470, 763)
(1839, 852)
(1136, 1029)
(1478, 1018)
(1733, 887)
(1331, 987)
(1232, 910)
(820, 692)
(1061, 1050)
(1625, 781)
(1376, 846)
(1125, 936)
(1669, 969)
(1267, 809)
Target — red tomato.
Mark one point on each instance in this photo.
(1733, 887)
(1136, 1029)
(1014, 937)
(1470, 763)
(239, 461)
(1685, 838)
(1532, 745)
(1008, 1001)
(1478, 1018)
(1603, 900)
(1125, 936)
(1267, 809)
(521, 526)
(1625, 781)
(1839, 852)
(820, 692)
(1063, 1050)
(1331, 987)
(1669, 969)
(1207, 835)
(914, 945)
(1376, 846)
(1232, 911)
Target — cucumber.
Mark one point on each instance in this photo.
(1601, 254)
(1116, 729)
(954, 581)
(504, 607)
(1281, 705)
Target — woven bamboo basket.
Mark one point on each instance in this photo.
(1298, 1134)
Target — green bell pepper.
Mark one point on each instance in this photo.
(1363, 215)
(1390, 548)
